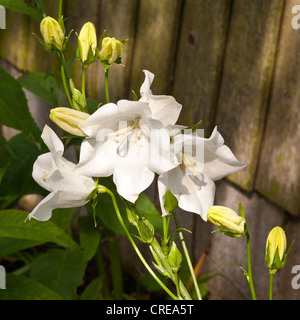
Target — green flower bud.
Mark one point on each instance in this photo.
(52, 33)
(174, 257)
(146, 230)
(170, 202)
(276, 249)
(78, 99)
(111, 49)
(69, 119)
(228, 219)
(87, 43)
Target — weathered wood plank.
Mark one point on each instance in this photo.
(247, 74)
(156, 35)
(117, 18)
(278, 176)
(199, 59)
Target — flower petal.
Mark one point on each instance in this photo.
(194, 193)
(53, 143)
(103, 118)
(219, 161)
(164, 108)
(131, 180)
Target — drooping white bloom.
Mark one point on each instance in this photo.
(56, 174)
(192, 182)
(121, 142)
(130, 140)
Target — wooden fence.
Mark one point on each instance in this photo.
(230, 63)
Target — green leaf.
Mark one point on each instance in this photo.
(44, 85)
(12, 245)
(89, 243)
(12, 225)
(24, 288)
(13, 107)
(147, 209)
(60, 270)
(93, 289)
(105, 210)
(21, 7)
(17, 158)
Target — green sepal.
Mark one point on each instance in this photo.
(246, 274)
(101, 38)
(193, 128)
(135, 97)
(243, 215)
(93, 195)
(146, 230)
(228, 233)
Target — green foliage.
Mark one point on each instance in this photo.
(60, 270)
(12, 226)
(16, 161)
(21, 7)
(24, 288)
(14, 111)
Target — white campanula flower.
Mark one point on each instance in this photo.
(124, 141)
(56, 174)
(192, 182)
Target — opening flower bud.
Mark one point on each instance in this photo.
(69, 120)
(52, 33)
(87, 43)
(276, 249)
(111, 49)
(228, 219)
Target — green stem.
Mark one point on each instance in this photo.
(60, 5)
(177, 283)
(155, 245)
(250, 279)
(63, 76)
(271, 286)
(106, 86)
(83, 80)
(104, 189)
(187, 256)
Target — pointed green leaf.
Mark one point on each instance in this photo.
(12, 225)
(21, 7)
(13, 107)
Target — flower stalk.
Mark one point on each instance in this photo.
(102, 189)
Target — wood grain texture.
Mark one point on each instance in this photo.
(247, 75)
(278, 176)
(199, 59)
(156, 37)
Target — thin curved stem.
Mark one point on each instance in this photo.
(106, 86)
(63, 76)
(271, 286)
(104, 189)
(187, 256)
(83, 81)
(250, 279)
